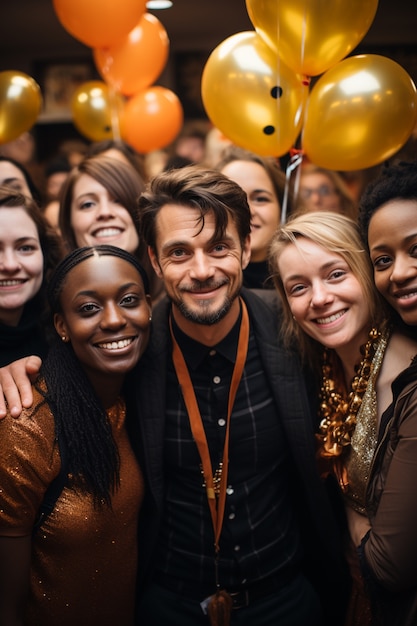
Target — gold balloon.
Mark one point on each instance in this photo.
(20, 104)
(359, 113)
(252, 97)
(312, 35)
(96, 110)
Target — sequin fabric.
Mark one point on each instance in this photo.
(84, 559)
(363, 443)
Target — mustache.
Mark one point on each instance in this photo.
(201, 285)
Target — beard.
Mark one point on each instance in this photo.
(203, 313)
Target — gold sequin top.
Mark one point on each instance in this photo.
(84, 559)
(363, 443)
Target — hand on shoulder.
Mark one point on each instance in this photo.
(16, 385)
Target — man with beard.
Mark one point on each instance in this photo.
(234, 500)
(236, 526)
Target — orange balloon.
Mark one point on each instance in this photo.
(96, 111)
(359, 113)
(20, 104)
(137, 60)
(151, 119)
(99, 23)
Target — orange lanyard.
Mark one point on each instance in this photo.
(216, 507)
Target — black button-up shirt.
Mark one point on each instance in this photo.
(260, 534)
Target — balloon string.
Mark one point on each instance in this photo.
(296, 158)
(278, 68)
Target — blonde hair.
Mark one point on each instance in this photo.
(338, 234)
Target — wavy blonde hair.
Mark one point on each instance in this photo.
(338, 234)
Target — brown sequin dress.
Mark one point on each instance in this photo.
(84, 559)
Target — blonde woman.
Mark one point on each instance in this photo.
(367, 433)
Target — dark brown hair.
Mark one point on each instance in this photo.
(199, 188)
(120, 180)
(51, 246)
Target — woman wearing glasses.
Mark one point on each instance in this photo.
(324, 190)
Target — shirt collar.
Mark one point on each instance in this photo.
(195, 352)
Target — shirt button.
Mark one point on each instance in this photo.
(212, 352)
(221, 422)
(230, 491)
(236, 548)
(216, 380)
(232, 516)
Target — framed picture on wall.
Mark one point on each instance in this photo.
(58, 82)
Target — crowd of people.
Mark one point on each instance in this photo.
(206, 410)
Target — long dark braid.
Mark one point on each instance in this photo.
(82, 425)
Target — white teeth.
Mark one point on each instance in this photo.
(406, 296)
(331, 318)
(107, 232)
(10, 283)
(116, 345)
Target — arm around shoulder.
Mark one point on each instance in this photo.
(16, 385)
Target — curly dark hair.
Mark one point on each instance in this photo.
(397, 181)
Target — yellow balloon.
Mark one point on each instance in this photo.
(252, 97)
(312, 35)
(96, 110)
(359, 113)
(20, 104)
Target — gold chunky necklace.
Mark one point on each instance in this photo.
(338, 415)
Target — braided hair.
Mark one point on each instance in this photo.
(82, 426)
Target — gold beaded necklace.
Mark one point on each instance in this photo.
(338, 414)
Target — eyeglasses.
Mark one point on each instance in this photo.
(322, 191)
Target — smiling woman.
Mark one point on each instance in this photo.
(106, 320)
(98, 205)
(83, 562)
(387, 221)
(366, 396)
(29, 249)
(264, 183)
